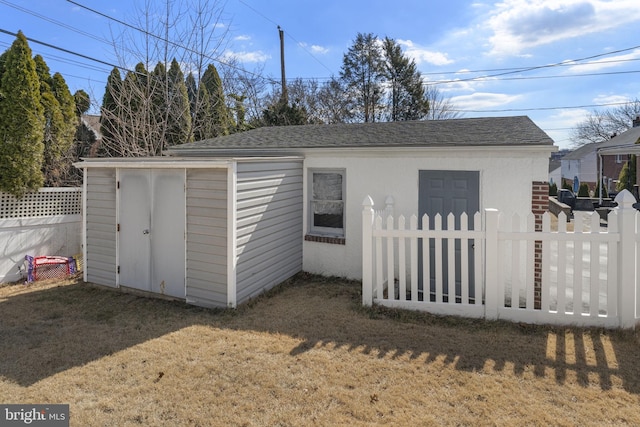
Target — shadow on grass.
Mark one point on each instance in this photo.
(590, 357)
(47, 331)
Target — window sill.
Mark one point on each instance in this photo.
(325, 239)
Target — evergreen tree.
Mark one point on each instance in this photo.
(136, 115)
(60, 123)
(362, 77)
(192, 93)
(65, 138)
(218, 106)
(240, 112)
(627, 177)
(111, 115)
(406, 96)
(179, 115)
(21, 121)
(283, 114)
(160, 102)
(83, 102)
(203, 118)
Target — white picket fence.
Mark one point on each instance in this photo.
(585, 277)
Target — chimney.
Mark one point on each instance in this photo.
(636, 122)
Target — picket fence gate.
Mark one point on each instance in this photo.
(503, 268)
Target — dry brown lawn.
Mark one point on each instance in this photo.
(305, 354)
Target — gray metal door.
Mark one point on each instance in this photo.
(151, 238)
(444, 192)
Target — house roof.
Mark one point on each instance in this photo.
(92, 122)
(627, 142)
(487, 131)
(581, 152)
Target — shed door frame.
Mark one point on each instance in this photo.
(153, 255)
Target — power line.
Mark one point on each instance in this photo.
(520, 68)
(569, 107)
(538, 67)
(53, 21)
(288, 35)
(607, 73)
(70, 52)
(147, 33)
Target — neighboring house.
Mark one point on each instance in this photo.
(290, 198)
(580, 164)
(615, 153)
(555, 172)
(89, 136)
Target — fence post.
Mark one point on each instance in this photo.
(389, 210)
(491, 263)
(626, 259)
(367, 251)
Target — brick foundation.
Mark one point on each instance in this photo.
(539, 205)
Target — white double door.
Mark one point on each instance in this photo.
(151, 233)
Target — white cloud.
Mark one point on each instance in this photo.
(483, 100)
(255, 56)
(611, 99)
(319, 49)
(242, 38)
(518, 25)
(420, 54)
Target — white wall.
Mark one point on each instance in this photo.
(505, 184)
(585, 169)
(57, 235)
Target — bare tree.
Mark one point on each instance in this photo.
(440, 108)
(145, 104)
(599, 126)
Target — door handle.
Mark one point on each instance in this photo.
(145, 231)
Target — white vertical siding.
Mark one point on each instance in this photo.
(100, 262)
(269, 224)
(207, 237)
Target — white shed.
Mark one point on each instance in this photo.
(213, 232)
(437, 166)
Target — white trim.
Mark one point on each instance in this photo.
(117, 284)
(173, 162)
(85, 271)
(184, 229)
(232, 258)
(359, 151)
(312, 229)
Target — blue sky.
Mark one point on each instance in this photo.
(463, 47)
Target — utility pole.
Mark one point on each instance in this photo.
(284, 98)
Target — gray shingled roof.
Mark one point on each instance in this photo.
(487, 131)
(581, 151)
(629, 138)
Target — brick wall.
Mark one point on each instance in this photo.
(539, 205)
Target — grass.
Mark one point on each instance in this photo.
(307, 353)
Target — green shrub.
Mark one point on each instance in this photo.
(583, 190)
(596, 193)
(553, 189)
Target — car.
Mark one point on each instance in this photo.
(567, 197)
